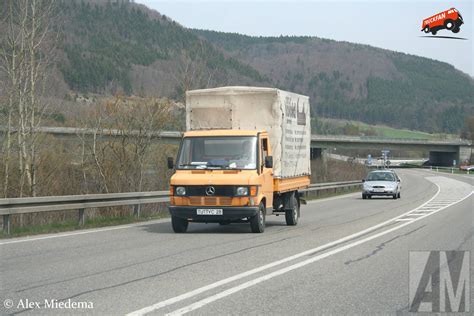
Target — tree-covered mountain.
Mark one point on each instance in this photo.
(117, 45)
(359, 82)
(111, 46)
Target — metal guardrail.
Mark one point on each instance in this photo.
(79, 203)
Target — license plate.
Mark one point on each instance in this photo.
(379, 190)
(209, 211)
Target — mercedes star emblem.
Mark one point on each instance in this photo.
(210, 190)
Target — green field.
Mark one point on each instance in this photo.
(382, 130)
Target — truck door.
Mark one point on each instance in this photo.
(266, 173)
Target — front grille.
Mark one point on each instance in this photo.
(378, 187)
(195, 201)
(200, 190)
(210, 201)
(225, 201)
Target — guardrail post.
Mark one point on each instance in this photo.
(136, 210)
(6, 224)
(82, 217)
(452, 170)
(437, 170)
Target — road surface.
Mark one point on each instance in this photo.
(346, 256)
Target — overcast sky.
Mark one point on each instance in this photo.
(387, 24)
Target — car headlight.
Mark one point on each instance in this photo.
(367, 186)
(180, 191)
(242, 191)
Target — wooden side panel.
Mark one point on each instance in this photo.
(291, 184)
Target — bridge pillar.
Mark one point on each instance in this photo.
(465, 153)
(316, 153)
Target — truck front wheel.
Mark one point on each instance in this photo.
(180, 225)
(449, 24)
(291, 215)
(257, 223)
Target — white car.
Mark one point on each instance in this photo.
(381, 183)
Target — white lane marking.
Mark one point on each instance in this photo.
(403, 219)
(236, 277)
(271, 275)
(88, 231)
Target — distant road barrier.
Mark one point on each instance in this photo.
(80, 203)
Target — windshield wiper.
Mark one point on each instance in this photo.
(217, 166)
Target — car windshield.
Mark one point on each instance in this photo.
(223, 152)
(380, 176)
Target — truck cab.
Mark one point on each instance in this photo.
(222, 176)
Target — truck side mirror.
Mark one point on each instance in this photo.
(170, 163)
(269, 162)
(363, 180)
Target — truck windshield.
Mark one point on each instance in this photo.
(222, 152)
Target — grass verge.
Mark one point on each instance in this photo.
(74, 225)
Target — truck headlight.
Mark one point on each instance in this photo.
(180, 191)
(242, 191)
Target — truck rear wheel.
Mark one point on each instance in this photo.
(257, 223)
(291, 215)
(180, 225)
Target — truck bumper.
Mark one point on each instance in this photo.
(229, 213)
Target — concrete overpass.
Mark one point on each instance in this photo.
(441, 152)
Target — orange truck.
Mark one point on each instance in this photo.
(244, 156)
(450, 19)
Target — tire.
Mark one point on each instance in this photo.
(291, 216)
(364, 196)
(180, 225)
(449, 24)
(398, 195)
(257, 223)
(426, 29)
(369, 196)
(434, 32)
(456, 30)
(395, 196)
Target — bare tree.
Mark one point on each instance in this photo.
(26, 53)
(192, 72)
(118, 154)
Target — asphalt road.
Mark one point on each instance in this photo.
(346, 256)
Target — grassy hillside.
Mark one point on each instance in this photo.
(357, 128)
(359, 82)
